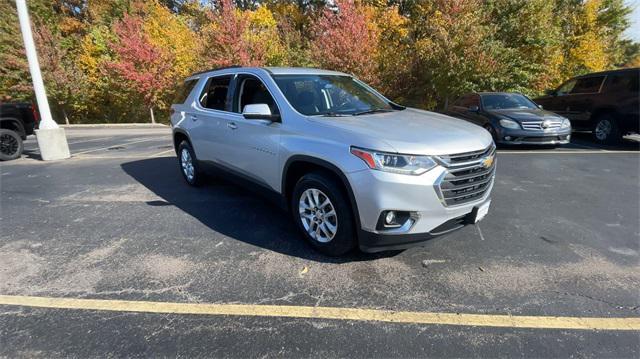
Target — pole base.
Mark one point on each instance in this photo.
(53, 144)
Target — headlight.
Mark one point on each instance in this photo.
(394, 162)
(509, 124)
(566, 123)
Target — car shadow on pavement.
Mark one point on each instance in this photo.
(231, 210)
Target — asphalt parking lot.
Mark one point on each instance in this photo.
(117, 223)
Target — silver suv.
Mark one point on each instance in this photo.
(353, 168)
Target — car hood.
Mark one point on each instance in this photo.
(526, 114)
(414, 131)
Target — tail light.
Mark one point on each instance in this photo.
(36, 114)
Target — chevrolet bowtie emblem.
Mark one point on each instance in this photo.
(487, 162)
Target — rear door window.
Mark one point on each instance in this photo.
(183, 91)
(588, 85)
(215, 93)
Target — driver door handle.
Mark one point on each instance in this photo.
(232, 125)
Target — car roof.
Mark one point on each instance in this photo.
(608, 72)
(272, 71)
(302, 71)
(497, 93)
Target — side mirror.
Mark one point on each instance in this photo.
(540, 107)
(259, 111)
(474, 108)
(550, 92)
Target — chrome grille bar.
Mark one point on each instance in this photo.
(467, 179)
(537, 125)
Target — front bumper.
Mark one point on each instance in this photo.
(508, 136)
(377, 191)
(371, 242)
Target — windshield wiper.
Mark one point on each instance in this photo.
(372, 110)
(333, 114)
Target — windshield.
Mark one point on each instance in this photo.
(504, 101)
(329, 95)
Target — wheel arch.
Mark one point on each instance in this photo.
(10, 123)
(602, 111)
(298, 165)
(179, 136)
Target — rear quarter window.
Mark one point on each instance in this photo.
(624, 82)
(183, 91)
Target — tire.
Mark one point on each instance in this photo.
(492, 132)
(606, 130)
(315, 222)
(189, 166)
(11, 145)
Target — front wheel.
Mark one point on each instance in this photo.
(11, 145)
(323, 214)
(492, 132)
(606, 130)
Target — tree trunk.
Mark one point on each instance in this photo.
(64, 113)
(153, 119)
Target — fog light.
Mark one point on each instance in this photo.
(390, 218)
(507, 138)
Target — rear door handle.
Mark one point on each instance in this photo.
(194, 118)
(232, 125)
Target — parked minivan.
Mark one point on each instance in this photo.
(606, 103)
(355, 169)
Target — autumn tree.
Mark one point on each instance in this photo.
(145, 66)
(248, 38)
(346, 39)
(530, 36)
(454, 50)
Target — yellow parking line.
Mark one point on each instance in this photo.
(374, 315)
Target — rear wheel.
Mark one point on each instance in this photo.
(188, 164)
(606, 130)
(10, 145)
(323, 214)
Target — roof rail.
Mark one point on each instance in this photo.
(216, 69)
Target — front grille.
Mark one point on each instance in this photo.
(467, 178)
(460, 159)
(541, 125)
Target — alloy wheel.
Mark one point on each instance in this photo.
(603, 129)
(187, 164)
(318, 215)
(8, 144)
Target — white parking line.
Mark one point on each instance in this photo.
(162, 153)
(92, 140)
(116, 145)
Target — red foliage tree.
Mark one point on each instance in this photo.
(141, 63)
(225, 43)
(346, 40)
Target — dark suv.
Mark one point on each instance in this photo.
(605, 103)
(17, 121)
